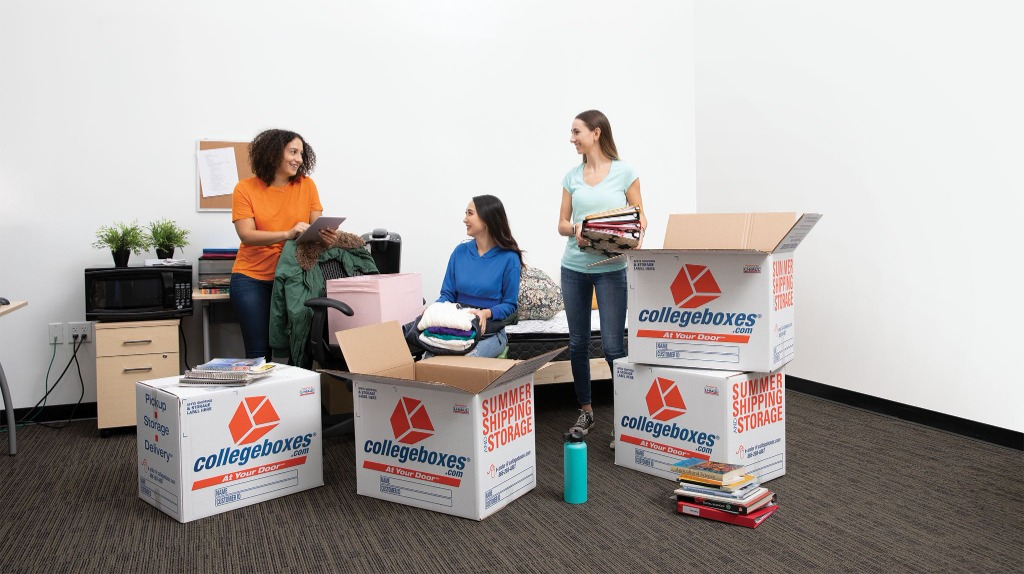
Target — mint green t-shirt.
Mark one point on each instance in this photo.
(608, 194)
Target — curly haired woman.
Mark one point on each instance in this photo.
(276, 205)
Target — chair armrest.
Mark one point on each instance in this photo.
(318, 347)
(321, 304)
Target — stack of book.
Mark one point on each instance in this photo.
(229, 372)
(722, 492)
(215, 270)
(612, 232)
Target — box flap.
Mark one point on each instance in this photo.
(469, 374)
(527, 367)
(382, 379)
(728, 231)
(798, 232)
(374, 348)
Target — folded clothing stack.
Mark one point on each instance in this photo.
(447, 329)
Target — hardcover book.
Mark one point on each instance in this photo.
(708, 470)
(736, 507)
(752, 520)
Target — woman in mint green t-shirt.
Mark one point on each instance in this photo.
(600, 183)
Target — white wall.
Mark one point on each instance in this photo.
(901, 121)
(412, 108)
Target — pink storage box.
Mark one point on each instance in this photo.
(375, 299)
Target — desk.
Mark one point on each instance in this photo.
(205, 299)
(8, 405)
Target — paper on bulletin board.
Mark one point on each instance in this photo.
(218, 171)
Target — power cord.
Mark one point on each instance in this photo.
(36, 409)
(76, 345)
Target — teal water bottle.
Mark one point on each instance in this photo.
(575, 452)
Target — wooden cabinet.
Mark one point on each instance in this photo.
(125, 354)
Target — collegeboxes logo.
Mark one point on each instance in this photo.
(694, 286)
(254, 418)
(410, 421)
(411, 424)
(664, 401)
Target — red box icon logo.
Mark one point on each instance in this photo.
(694, 286)
(254, 417)
(410, 421)
(664, 401)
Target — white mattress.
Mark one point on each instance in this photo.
(557, 324)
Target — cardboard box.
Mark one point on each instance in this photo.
(721, 293)
(375, 299)
(336, 397)
(450, 434)
(664, 414)
(206, 450)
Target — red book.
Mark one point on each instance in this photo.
(752, 520)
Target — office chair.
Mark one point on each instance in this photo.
(325, 354)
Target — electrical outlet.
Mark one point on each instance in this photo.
(83, 330)
(56, 334)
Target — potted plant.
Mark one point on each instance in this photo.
(165, 236)
(122, 239)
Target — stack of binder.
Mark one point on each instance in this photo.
(613, 232)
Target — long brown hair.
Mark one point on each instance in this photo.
(596, 120)
(491, 211)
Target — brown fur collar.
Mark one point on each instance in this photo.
(308, 253)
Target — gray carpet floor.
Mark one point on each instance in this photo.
(863, 493)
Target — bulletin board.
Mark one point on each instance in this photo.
(222, 202)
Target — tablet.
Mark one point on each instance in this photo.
(313, 233)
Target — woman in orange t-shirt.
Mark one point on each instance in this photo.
(267, 210)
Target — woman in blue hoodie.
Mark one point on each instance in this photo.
(483, 273)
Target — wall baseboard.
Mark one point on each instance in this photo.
(981, 431)
(55, 414)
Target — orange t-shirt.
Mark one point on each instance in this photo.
(274, 209)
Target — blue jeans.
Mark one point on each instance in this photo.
(251, 300)
(577, 293)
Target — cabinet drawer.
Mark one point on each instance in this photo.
(115, 384)
(136, 340)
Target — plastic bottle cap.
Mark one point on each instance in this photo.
(574, 436)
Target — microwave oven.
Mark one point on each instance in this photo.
(138, 293)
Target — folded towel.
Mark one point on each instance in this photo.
(446, 337)
(453, 345)
(446, 314)
(447, 331)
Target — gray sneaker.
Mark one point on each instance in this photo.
(584, 422)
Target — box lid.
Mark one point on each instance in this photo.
(759, 232)
(374, 348)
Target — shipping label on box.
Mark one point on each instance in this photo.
(722, 297)
(665, 414)
(206, 450)
(449, 434)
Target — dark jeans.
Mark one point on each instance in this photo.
(577, 292)
(251, 300)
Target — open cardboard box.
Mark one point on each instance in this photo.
(720, 295)
(451, 434)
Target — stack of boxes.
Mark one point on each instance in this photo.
(711, 327)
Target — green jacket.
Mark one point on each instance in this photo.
(290, 319)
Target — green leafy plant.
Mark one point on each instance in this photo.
(122, 236)
(165, 235)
